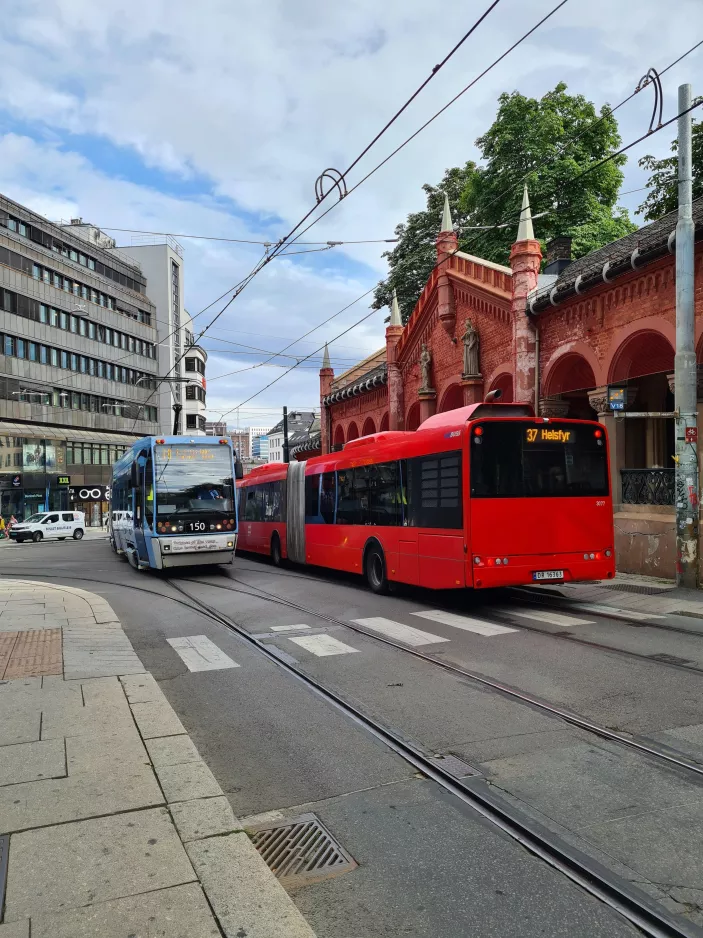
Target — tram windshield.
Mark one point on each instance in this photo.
(193, 479)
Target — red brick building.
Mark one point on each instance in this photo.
(556, 339)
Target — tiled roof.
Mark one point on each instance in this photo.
(650, 242)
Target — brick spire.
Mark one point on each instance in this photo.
(326, 379)
(525, 261)
(447, 246)
(394, 330)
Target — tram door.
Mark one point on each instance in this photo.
(138, 506)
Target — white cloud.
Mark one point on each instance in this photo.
(257, 99)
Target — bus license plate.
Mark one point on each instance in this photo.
(548, 575)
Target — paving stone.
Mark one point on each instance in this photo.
(141, 688)
(110, 858)
(205, 817)
(95, 755)
(85, 795)
(68, 718)
(20, 722)
(187, 781)
(28, 762)
(157, 718)
(246, 897)
(172, 750)
(178, 912)
(15, 929)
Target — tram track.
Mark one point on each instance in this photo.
(663, 754)
(672, 757)
(652, 918)
(648, 915)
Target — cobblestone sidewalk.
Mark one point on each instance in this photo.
(116, 827)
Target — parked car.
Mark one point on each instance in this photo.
(50, 524)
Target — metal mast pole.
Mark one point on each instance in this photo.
(685, 365)
(286, 454)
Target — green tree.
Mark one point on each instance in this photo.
(663, 196)
(415, 254)
(549, 141)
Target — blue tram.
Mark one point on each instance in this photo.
(173, 502)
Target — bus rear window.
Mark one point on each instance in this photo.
(537, 460)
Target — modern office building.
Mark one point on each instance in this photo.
(78, 363)
(260, 448)
(253, 433)
(181, 400)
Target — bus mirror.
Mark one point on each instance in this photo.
(238, 469)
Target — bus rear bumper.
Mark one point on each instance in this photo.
(522, 570)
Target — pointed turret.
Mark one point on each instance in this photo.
(395, 311)
(525, 231)
(447, 224)
(326, 358)
(326, 379)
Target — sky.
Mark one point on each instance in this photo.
(215, 119)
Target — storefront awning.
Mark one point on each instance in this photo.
(42, 432)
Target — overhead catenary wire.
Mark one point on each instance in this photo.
(580, 175)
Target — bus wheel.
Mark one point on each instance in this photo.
(276, 558)
(376, 570)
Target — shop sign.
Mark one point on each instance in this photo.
(17, 482)
(63, 480)
(90, 493)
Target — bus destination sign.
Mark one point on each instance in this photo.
(544, 435)
(189, 453)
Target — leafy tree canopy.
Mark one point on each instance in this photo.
(663, 194)
(548, 142)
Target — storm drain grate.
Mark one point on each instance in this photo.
(455, 766)
(633, 588)
(301, 850)
(4, 850)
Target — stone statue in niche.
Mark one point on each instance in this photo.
(470, 339)
(425, 365)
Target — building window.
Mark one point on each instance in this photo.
(74, 362)
(53, 317)
(190, 422)
(91, 263)
(58, 281)
(83, 327)
(55, 357)
(33, 351)
(21, 348)
(36, 271)
(9, 345)
(43, 354)
(63, 320)
(74, 324)
(91, 330)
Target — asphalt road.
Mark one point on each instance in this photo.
(427, 864)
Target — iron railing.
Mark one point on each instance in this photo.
(647, 486)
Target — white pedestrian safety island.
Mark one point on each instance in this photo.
(551, 618)
(289, 628)
(399, 632)
(198, 653)
(323, 645)
(465, 623)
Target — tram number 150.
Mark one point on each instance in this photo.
(196, 526)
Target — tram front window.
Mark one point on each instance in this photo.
(193, 480)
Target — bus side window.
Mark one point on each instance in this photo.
(328, 497)
(312, 499)
(349, 509)
(385, 497)
(434, 489)
(250, 509)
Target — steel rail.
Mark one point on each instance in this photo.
(634, 905)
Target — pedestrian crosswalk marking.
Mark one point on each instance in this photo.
(398, 631)
(466, 623)
(198, 653)
(551, 618)
(323, 645)
(613, 610)
(288, 628)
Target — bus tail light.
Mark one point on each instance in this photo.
(608, 552)
(599, 556)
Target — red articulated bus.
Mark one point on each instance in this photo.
(483, 496)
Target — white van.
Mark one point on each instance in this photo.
(46, 524)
